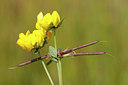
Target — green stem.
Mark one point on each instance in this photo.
(46, 70)
(59, 62)
(55, 39)
(47, 73)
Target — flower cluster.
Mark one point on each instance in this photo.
(42, 33)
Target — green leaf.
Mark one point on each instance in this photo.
(55, 60)
(53, 51)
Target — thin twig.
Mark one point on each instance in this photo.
(33, 60)
(83, 53)
(62, 53)
(81, 46)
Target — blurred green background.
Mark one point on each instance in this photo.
(85, 21)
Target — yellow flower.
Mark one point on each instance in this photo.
(39, 37)
(36, 39)
(23, 41)
(44, 22)
(49, 35)
(40, 16)
(31, 40)
(55, 18)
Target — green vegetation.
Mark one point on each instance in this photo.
(84, 21)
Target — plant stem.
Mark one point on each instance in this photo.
(62, 53)
(47, 73)
(78, 47)
(59, 62)
(46, 70)
(83, 53)
(55, 39)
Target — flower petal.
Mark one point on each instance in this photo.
(55, 18)
(40, 16)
